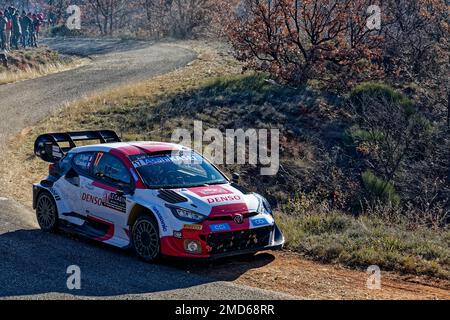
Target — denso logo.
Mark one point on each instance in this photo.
(224, 198)
(90, 198)
(212, 191)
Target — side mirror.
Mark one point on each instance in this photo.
(235, 177)
(73, 177)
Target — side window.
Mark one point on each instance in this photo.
(65, 164)
(111, 169)
(83, 161)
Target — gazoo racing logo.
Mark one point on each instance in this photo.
(109, 200)
(224, 199)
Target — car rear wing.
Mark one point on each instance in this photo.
(52, 147)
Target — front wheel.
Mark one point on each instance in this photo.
(145, 237)
(46, 212)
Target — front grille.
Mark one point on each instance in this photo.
(239, 240)
(230, 217)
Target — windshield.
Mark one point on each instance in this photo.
(176, 170)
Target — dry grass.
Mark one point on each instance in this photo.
(32, 73)
(33, 63)
(337, 237)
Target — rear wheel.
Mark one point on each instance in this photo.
(145, 237)
(46, 212)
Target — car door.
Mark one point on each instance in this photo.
(103, 200)
(71, 185)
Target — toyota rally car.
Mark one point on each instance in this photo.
(158, 198)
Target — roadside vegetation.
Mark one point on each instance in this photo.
(332, 198)
(32, 63)
(336, 237)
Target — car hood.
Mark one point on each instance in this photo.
(215, 200)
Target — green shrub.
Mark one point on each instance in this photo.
(381, 93)
(315, 224)
(379, 190)
(355, 135)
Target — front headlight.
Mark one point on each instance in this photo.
(187, 215)
(264, 205)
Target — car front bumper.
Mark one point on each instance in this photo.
(176, 248)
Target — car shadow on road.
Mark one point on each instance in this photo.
(33, 262)
(225, 269)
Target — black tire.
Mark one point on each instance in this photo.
(145, 239)
(47, 212)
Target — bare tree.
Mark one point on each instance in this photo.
(188, 15)
(417, 47)
(299, 40)
(157, 14)
(178, 18)
(106, 14)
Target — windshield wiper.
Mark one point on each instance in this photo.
(215, 183)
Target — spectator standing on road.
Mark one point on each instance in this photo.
(38, 24)
(16, 31)
(3, 25)
(9, 13)
(25, 24)
(34, 27)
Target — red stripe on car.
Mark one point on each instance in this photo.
(109, 233)
(103, 186)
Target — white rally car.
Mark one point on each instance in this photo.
(160, 199)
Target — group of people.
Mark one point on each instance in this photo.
(19, 29)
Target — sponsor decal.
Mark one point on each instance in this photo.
(84, 160)
(161, 219)
(148, 160)
(115, 202)
(109, 200)
(198, 227)
(56, 152)
(220, 227)
(92, 199)
(259, 222)
(224, 199)
(209, 191)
